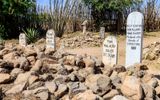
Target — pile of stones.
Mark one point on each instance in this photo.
(36, 73)
(79, 41)
(152, 52)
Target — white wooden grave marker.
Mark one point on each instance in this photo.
(22, 40)
(50, 39)
(102, 32)
(110, 48)
(134, 38)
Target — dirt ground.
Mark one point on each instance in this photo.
(97, 51)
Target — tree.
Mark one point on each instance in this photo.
(100, 7)
(14, 14)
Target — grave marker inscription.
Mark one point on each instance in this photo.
(22, 40)
(134, 38)
(110, 47)
(50, 39)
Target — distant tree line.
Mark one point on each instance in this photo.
(66, 16)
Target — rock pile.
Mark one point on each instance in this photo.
(33, 73)
(88, 40)
(152, 52)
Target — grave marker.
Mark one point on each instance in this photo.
(22, 40)
(84, 25)
(50, 39)
(110, 48)
(102, 32)
(134, 41)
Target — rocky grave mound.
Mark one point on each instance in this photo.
(152, 52)
(34, 73)
(79, 41)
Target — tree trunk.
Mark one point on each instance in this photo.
(119, 22)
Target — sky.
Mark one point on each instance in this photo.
(42, 2)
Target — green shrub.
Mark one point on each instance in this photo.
(32, 35)
(3, 33)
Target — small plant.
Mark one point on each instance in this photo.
(32, 35)
(3, 33)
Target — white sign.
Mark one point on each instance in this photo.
(134, 41)
(110, 47)
(50, 39)
(22, 40)
(102, 32)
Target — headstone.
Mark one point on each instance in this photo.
(134, 41)
(84, 25)
(110, 48)
(102, 32)
(22, 40)
(50, 39)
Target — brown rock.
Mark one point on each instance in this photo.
(131, 87)
(41, 92)
(70, 60)
(17, 88)
(87, 95)
(149, 91)
(23, 77)
(12, 58)
(153, 83)
(62, 90)
(31, 60)
(141, 67)
(119, 68)
(158, 90)
(99, 84)
(16, 71)
(69, 68)
(110, 95)
(89, 63)
(32, 79)
(4, 78)
(29, 52)
(49, 51)
(37, 66)
(24, 64)
(5, 51)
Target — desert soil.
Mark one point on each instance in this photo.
(97, 51)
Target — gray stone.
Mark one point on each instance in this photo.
(41, 92)
(62, 90)
(99, 84)
(52, 87)
(75, 88)
(36, 85)
(61, 79)
(24, 64)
